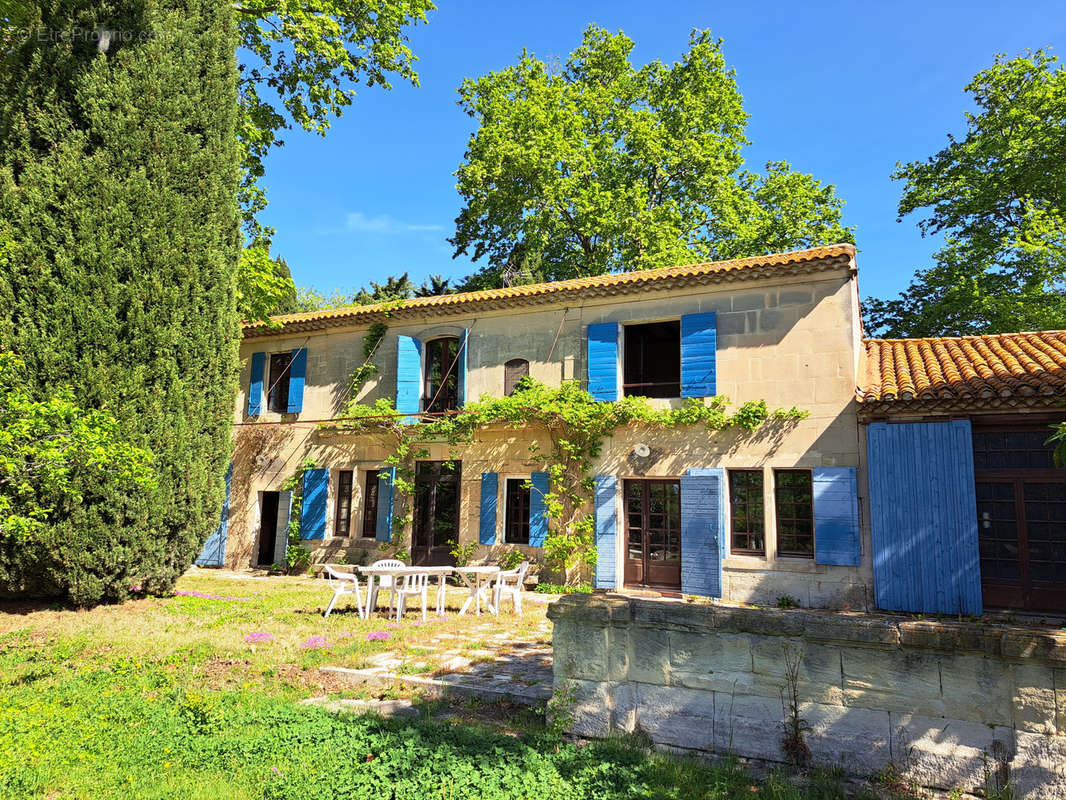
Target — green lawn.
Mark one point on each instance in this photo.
(163, 698)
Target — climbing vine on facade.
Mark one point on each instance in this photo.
(576, 426)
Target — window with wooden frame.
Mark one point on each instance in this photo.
(746, 518)
(651, 362)
(278, 382)
(794, 508)
(516, 520)
(343, 524)
(441, 378)
(513, 371)
(370, 504)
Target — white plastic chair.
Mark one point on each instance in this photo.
(510, 583)
(343, 583)
(383, 582)
(415, 585)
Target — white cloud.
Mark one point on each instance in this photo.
(383, 224)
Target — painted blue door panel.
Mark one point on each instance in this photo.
(836, 516)
(702, 531)
(409, 377)
(538, 510)
(490, 484)
(923, 517)
(603, 363)
(297, 375)
(213, 553)
(606, 509)
(386, 477)
(313, 511)
(255, 385)
(699, 349)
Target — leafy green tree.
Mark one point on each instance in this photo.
(303, 62)
(394, 288)
(434, 286)
(596, 165)
(999, 197)
(119, 172)
(51, 449)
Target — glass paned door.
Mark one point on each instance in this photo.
(653, 534)
(436, 517)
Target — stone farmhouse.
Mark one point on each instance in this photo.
(920, 479)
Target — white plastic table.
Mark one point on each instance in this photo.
(479, 579)
(396, 573)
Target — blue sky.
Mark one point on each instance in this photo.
(842, 90)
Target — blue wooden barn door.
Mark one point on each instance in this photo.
(923, 517)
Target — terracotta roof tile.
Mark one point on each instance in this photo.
(1005, 365)
(537, 293)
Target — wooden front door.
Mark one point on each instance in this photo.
(268, 527)
(436, 513)
(1021, 520)
(653, 534)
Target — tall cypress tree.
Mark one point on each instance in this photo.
(118, 185)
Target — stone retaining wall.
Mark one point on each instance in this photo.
(950, 704)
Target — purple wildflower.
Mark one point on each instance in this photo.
(316, 643)
(377, 635)
(257, 637)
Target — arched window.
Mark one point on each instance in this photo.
(441, 379)
(513, 371)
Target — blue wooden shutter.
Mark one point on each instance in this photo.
(923, 517)
(490, 484)
(313, 511)
(464, 347)
(213, 553)
(606, 509)
(602, 366)
(255, 385)
(297, 372)
(699, 346)
(702, 531)
(538, 510)
(409, 377)
(386, 477)
(836, 516)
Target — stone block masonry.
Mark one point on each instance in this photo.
(948, 704)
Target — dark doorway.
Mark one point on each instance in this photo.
(653, 534)
(268, 527)
(1021, 519)
(436, 517)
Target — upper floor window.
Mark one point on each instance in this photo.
(651, 359)
(794, 507)
(441, 378)
(278, 381)
(513, 371)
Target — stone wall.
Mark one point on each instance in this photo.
(949, 704)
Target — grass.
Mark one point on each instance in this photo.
(163, 698)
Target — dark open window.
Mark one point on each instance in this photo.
(746, 512)
(278, 395)
(370, 504)
(513, 371)
(652, 360)
(516, 531)
(441, 376)
(343, 524)
(794, 504)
